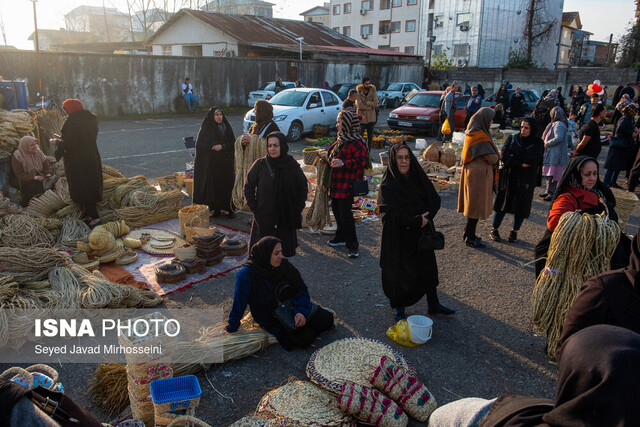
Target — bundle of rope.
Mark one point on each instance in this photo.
(148, 208)
(29, 264)
(49, 123)
(73, 230)
(13, 126)
(61, 189)
(45, 204)
(318, 215)
(581, 247)
(22, 231)
(109, 172)
(245, 156)
(7, 207)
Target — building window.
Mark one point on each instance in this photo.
(336, 9)
(347, 8)
(409, 49)
(395, 27)
(463, 19)
(383, 27)
(383, 47)
(412, 2)
(336, 29)
(439, 21)
(367, 5)
(410, 26)
(397, 3)
(394, 49)
(385, 4)
(460, 49)
(346, 31)
(437, 50)
(166, 50)
(366, 29)
(431, 4)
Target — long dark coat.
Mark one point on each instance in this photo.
(407, 274)
(618, 158)
(213, 171)
(516, 183)
(259, 190)
(79, 151)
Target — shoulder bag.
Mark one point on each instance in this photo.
(284, 312)
(430, 239)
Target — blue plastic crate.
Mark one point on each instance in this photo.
(176, 389)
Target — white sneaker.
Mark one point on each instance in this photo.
(353, 254)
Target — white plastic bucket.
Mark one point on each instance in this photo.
(420, 329)
(421, 144)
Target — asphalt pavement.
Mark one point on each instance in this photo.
(487, 348)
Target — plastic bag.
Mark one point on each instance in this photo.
(446, 128)
(399, 332)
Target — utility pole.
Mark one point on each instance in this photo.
(4, 34)
(609, 50)
(35, 25)
(106, 25)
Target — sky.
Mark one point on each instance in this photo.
(601, 17)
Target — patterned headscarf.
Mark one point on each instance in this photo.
(72, 105)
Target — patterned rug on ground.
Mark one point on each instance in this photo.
(144, 269)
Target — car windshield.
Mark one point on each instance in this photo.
(395, 87)
(341, 90)
(289, 98)
(269, 86)
(425, 100)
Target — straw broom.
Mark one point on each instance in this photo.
(109, 383)
(581, 247)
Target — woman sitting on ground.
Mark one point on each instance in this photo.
(579, 189)
(408, 203)
(31, 167)
(258, 284)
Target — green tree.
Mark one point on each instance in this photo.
(519, 59)
(441, 62)
(630, 48)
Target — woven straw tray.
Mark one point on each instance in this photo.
(157, 233)
(305, 403)
(350, 359)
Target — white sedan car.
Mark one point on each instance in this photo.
(295, 111)
(266, 92)
(394, 93)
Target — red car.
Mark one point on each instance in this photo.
(422, 112)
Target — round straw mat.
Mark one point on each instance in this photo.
(156, 232)
(305, 403)
(350, 359)
(250, 421)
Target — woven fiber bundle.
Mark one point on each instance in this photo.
(304, 402)
(102, 241)
(581, 247)
(405, 389)
(625, 203)
(6, 207)
(193, 216)
(29, 264)
(49, 124)
(433, 167)
(22, 231)
(149, 208)
(318, 215)
(370, 406)
(13, 126)
(116, 228)
(250, 421)
(432, 153)
(245, 156)
(448, 157)
(45, 204)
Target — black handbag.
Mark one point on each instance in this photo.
(360, 188)
(430, 239)
(618, 142)
(284, 312)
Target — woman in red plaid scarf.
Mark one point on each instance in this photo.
(347, 158)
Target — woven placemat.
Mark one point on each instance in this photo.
(156, 232)
(250, 421)
(350, 359)
(305, 403)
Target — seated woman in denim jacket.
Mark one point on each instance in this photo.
(256, 285)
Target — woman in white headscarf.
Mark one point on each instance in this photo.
(31, 167)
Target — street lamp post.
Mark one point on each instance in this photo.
(300, 39)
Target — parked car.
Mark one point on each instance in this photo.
(342, 89)
(295, 111)
(530, 99)
(392, 94)
(422, 113)
(266, 92)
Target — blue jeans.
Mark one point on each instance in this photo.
(610, 177)
(191, 100)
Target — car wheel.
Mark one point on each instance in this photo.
(295, 132)
(433, 132)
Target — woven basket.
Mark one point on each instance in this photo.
(170, 183)
(309, 155)
(370, 406)
(384, 158)
(350, 359)
(432, 153)
(448, 157)
(142, 410)
(174, 394)
(305, 403)
(234, 247)
(311, 141)
(194, 216)
(183, 420)
(625, 203)
(128, 257)
(250, 421)
(186, 253)
(191, 232)
(188, 185)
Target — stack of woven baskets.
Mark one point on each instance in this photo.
(209, 248)
(139, 376)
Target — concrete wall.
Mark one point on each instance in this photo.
(538, 79)
(112, 85)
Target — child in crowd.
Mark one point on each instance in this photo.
(571, 128)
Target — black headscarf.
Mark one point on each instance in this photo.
(286, 183)
(534, 130)
(405, 192)
(598, 385)
(210, 126)
(260, 261)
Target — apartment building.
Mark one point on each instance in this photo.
(380, 24)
